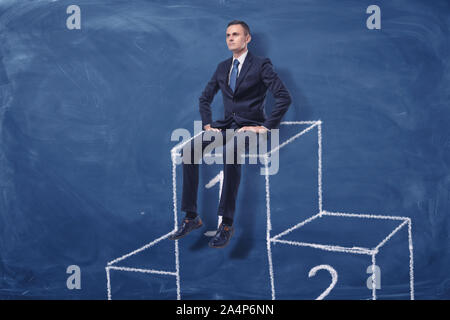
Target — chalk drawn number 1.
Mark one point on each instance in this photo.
(334, 278)
(217, 179)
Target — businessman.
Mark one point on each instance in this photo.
(244, 80)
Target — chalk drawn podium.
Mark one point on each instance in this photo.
(320, 234)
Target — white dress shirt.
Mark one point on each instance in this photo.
(241, 60)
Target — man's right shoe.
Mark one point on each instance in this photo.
(187, 226)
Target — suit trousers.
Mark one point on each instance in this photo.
(231, 171)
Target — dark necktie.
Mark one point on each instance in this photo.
(233, 75)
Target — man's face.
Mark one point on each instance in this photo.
(236, 38)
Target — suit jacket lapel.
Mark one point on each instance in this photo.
(245, 67)
(227, 86)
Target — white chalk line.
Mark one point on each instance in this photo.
(183, 143)
(177, 269)
(291, 139)
(319, 165)
(368, 216)
(209, 155)
(175, 224)
(411, 261)
(301, 122)
(140, 249)
(129, 269)
(174, 192)
(300, 224)
(108, 283)
(382, 243)
(268, 229)
(374, 289)
(357, 250)
(267, 154)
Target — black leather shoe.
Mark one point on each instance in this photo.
(187, 226)
(222, 236)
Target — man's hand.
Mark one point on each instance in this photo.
(257, 129)
(209, 128)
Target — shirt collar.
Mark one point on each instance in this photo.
(241, 58)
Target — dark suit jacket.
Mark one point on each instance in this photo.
(246, 104)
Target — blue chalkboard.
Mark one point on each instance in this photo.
(86, 177)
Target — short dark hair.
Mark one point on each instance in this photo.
(242, 23)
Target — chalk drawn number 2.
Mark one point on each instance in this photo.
(334, 278)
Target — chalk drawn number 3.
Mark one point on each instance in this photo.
(334, 278)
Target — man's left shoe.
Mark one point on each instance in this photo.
(222, 236)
